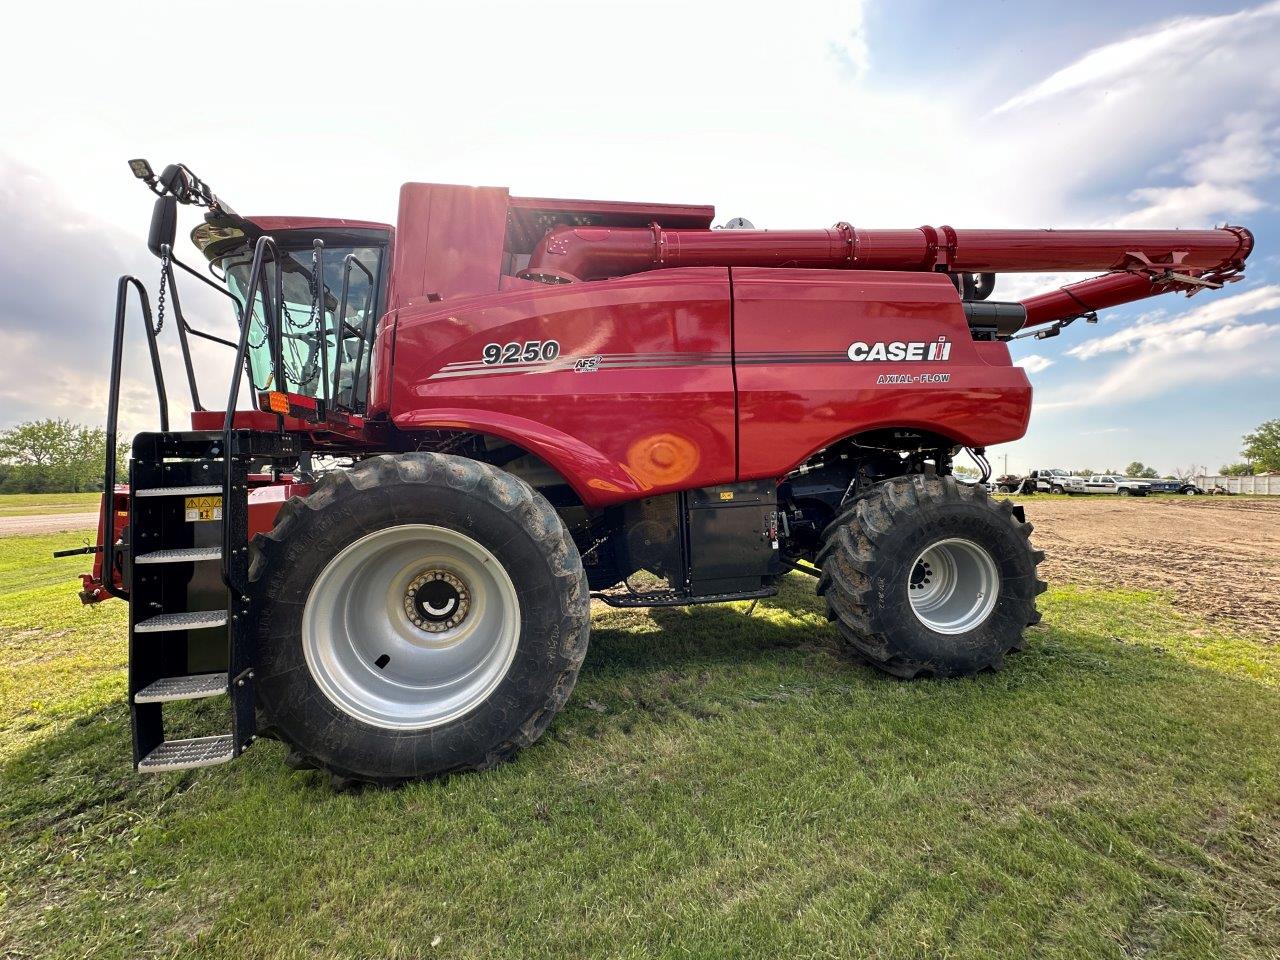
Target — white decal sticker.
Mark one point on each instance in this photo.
(909, 378)
(901, 350)
(531, 351)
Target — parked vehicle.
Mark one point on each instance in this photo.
(1008, 482)
(524, 403)
(1051, 480)
(1173, 485)
(1037, 481)
(1107, 483)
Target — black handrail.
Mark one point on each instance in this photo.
(348, 262)
(180, 322)
(364, 334)
(322, 325)
(276, 330)
(256, 273)
(107, 509)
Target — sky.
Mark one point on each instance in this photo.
(884, 113)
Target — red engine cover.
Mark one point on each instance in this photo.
(684, 378)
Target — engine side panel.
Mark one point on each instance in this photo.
(636, 399)
(801, 387)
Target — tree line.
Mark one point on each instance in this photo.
(52, 456)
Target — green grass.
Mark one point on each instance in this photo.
(719, 785)
(35, 504)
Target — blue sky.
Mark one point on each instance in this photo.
(879, 113)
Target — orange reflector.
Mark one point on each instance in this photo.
(277, 402)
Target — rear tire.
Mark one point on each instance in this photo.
(416, 615)
(889, 560)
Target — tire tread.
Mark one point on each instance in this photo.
(503, 491)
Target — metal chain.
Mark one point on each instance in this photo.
(310, 368)
(315, 297)
(164, 279)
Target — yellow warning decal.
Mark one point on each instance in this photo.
(203, 508)
(726, 494)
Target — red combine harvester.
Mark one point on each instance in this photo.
(466, 427)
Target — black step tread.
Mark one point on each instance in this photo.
(192, 687)
(184, 555)
(200, 491)
(185, 754)
(675, 598)
(195, 620)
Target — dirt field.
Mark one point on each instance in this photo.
(1219, 556)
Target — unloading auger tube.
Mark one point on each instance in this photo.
(1140, 263)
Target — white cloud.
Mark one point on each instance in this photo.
(1221, 174)
(1246, 152)
(1176, 360)
(1128, 64)
(851, 49)
(1034, 363)
(1222, 313)
(1195, 205)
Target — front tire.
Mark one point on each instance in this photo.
(416, 615)
(908, 572)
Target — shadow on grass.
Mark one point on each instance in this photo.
(667, 638)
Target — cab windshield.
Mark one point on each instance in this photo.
(311, 322)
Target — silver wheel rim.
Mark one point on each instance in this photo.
(411, 627)
(953, 586)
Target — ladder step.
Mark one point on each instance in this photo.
(185, 754)
(198, 620)
(179, 491)
(180, 556)
(191, 687)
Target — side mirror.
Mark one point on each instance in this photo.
(164, 223)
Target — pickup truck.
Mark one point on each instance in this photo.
(1107, 483)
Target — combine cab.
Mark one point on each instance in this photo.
(460, 430)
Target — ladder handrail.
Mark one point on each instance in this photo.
(364, 332)
(256, 273)
(256, 277)
(107, 508)
(349, 261)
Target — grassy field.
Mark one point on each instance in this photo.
(34, 504)
(720, 785)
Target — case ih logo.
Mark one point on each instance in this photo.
(939, 349)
